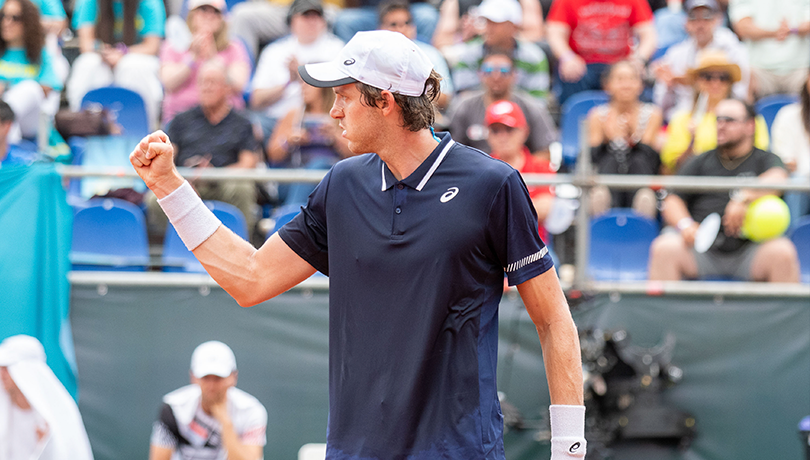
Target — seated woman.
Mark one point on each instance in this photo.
(119, 42)
(178, 67)
(26, 72)
(622, 135)
(695, 132)
(307, 137)
(791, 141)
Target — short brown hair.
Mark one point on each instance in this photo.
(417, 111)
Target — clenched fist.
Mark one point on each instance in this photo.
(153, 160)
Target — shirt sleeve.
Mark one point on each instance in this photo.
(561, 11)
(153, 15)
(164, 430)
(678, 139)
(512, 229)
(52, 9)
(543, 132)
(306, 233)
(247, 139)
(271, 70)
(47, 76)
(641, 12)
(84, 14)
(255, 433)
(761, 137)
(739, 9)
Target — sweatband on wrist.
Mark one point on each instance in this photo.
(685, 223)
(567, 431)
(192, 220)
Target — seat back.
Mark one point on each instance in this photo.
(109, 234)
(769, 106)
(620, 246)
(177, 258)
(126, 105)
(574, 110)
(282, 215)
(800, 235)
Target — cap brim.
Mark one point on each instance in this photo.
(212, 370)
(324, 75)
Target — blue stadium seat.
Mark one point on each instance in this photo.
(177, 258)
(109, 234)
(282, 215)
(769, 106)
(127, 106)
(574, 110)
(620, 245)
(800, 235)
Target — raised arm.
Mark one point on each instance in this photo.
(249, 275)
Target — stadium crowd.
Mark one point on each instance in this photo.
(221, 77)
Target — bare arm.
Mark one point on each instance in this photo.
(545, 302)
(747, 30)
(532, 27)
(647, 40)
(248, 274)
(87, 39)
(174, 74)
(247, 160)
(557, 34)
(150, 45)
(650, 135)
(596, 134)
(238, 75)
(160, 453)
(264, 97)
(237, 450)
(734, 214)
(277, 146)
(446, 28)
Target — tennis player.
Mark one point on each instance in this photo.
(415, 234)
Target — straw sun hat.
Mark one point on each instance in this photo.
(716, 61)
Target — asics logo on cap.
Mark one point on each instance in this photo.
(449, 194)
(574, 447)
(349, 61)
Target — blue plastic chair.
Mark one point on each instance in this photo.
(574, 110)
(620, 245)
(282, 215)
(109, 234)
(177, 258)
(127, 106)
(769, 106)
(800, 235)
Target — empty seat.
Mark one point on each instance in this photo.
(800, 235)
(109, 234)
(620, 246)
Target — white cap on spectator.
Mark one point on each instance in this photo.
(501, 11)
(19, 348)
(379, 58)
(218, 4)
(212, 358)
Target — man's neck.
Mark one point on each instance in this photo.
(490, 97)
(736, 152)
(404, 161)
(216, 113)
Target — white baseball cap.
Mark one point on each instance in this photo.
(501, 11)
(212, 358)
(379, 58)
(18, 348)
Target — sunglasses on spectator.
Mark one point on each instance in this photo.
(498, 128)
(208, 9)
(11, 17)
(727, 119)
(706, 16)
(709, 76)
(488, 69)
(396, 25)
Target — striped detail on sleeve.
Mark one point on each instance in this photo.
(515, 266)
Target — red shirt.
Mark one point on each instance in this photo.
(601, 30)
(535, 165)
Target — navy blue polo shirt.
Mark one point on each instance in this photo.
(416, 272)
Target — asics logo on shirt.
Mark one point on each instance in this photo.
(449, 194)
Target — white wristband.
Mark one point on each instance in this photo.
(193, 221)
(567, 432)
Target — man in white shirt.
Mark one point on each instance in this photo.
(276, 87)
(211, 418)
(703, 24)
(38, 418)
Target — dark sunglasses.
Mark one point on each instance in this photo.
(726, 119)
(11, 17)
(488, 69)
(709, 76)
(498, 128)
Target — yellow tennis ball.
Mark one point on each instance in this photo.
(768, 217)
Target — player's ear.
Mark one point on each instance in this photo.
(387, 103)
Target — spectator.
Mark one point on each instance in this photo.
(791, 141)
(458, 22)
(263, 21)
(210, 418)
(587, 37)
(498, 75)
(26, 71)
(276, 87)
(503, 17)
(125, 56)
(178, 68)
(672, 255)
(777, 34)
(213, 135)
(508, 132)
(307, 137)
(703, 25)
(361, 15)
(622, 135)
(694, 132)
(395, 15)
(38, 417)
(6, 120)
